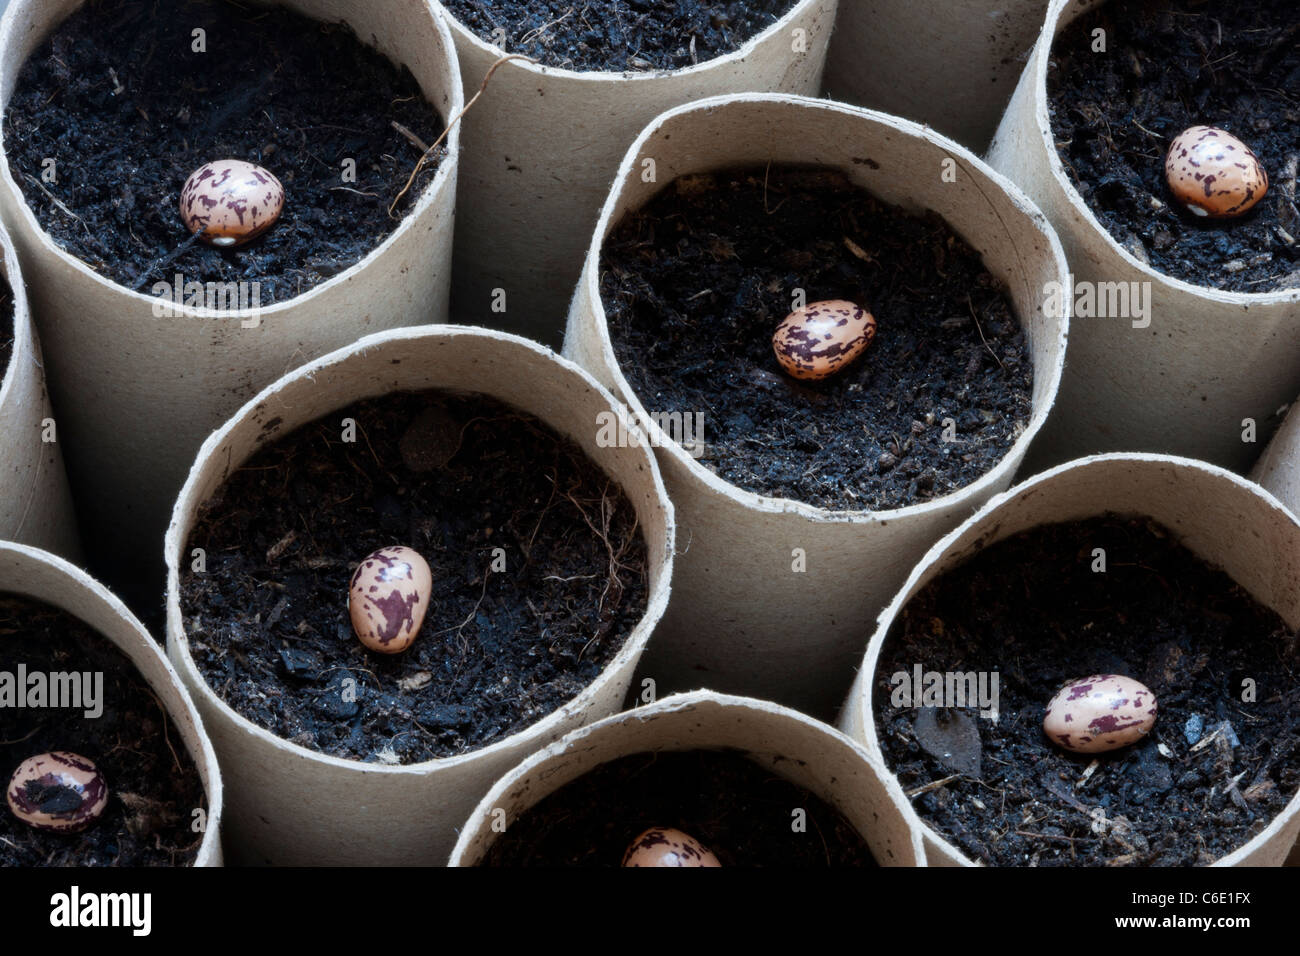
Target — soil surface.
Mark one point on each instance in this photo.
(1032, 609)
(619, 35)
(6, 326)
(127, 109)
(453, 477)
(1169, 65)
(153, 783)
(737, 809)
(695, 283)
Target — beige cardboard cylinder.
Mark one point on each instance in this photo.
(292, 806)
(542, 145)
(1225, 520)
(950, 64)
(46, 577)
(782, 741)
(1278, 469)
(137, 394)
(1208, 360)
(35, 502)
(740, 620)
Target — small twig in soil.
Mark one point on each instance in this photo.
(424, 157)
(766, 173)
(1045, 836)
(1207, 740)
(1147, 131)
(8, 743)
(164, 261)
(53, 198)
(933, 785)
(536, 34)
(980, 329)
(857, 250)
(606, 513)
(469, 617)
(528, 551)
(1087, 774)
(166, 736)
(415, 141)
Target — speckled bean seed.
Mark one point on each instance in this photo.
(1098, 713)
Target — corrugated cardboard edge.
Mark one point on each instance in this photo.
(785, 742)
(288, 804)
(1221, 517)
(737, 608)
(49, 578)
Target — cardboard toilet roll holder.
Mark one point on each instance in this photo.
(138, 393)
(35, 501)
(1278, 472)
(782, 741)
(1227, 521)
(1208, 360)
(288, 805)
(48, 578)
(740, 620)
(1278, 468)
(543, 143)
(951, 64)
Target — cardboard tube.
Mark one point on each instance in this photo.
(1208, 359)
(138, 393)
(1225, 520)
(35, 502)
(740, 619)
(46, 577)
(543, 143)
(948, 63)
(292, 806)
(1278, 469)
(785, 742)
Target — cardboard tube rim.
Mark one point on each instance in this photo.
(1059, 15)
(205, 759)
(590, 278)
(49, 247)
(678, 702)
(859, 713)
(24, 347)
(613, 76)
(187, 503)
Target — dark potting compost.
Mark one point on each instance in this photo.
(1169, 65)
(737, 809)
(1222, 760)
(695, 283)
(121, 101)
(510, 635)
(619, 35)
(153, 783)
